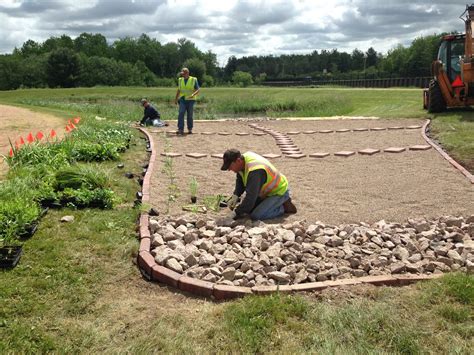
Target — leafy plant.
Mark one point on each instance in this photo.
(213, 202)
(77, 177)
(193, 186)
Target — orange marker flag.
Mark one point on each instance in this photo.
(72, 125)
(76, 120)
(52, 134)
(22, 141)
(11, 152)
(68, 129)
(39, 135)
(68, 121)
(30, 138)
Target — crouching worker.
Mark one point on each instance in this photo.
(151, 117)
(267, 194)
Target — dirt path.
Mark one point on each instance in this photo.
(391, 186)
(16, 122)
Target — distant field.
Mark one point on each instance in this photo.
(454, 129)
(123, 102)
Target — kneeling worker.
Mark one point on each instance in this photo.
(266, 190)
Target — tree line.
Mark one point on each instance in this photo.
(88, 60)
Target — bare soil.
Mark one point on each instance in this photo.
(334, 189)
(16, 122)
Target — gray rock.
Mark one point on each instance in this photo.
(397, 268)
(279, 276)
(454, 255)
(206, 259)
(67, 219)
(174, 265)
(191, 260)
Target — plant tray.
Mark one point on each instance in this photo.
(9, 256)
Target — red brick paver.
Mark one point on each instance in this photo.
(420, 147)
(344, 153)
(171, 155)
(394, 149)
(369, 151)
(319, 155)
(196, 155)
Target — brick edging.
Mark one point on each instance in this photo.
(445, 155)
(154, 272)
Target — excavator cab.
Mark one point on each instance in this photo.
(450, 53)
(453, 71)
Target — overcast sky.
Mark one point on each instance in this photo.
(230, 27)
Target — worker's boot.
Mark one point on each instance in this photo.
(289, 207)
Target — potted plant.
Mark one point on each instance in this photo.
(193, 187)
(9, 256)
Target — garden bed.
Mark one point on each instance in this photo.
(359, 188)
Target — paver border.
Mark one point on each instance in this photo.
(445, 155)
(158, 273)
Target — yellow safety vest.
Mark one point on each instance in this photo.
(276, 184)
(187, 89)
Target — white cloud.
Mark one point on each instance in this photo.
(231, 27)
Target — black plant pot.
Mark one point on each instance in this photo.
(44, 211)
(9, 256)
(29, 230)
(129, 175)
(139, 195)
(193, 199)
(140, 181)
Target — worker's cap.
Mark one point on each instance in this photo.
(143, 101)
(185, 70)
(229, 157)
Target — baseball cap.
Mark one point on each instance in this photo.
(229, 157)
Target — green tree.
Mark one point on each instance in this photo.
(29, 48)
(33, 71)
(10, 74)
(92, 45)
(372, 57)
(54, 43)
(63, 68)
(196, 67)
(242, 79)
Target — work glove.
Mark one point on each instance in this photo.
(232, 202)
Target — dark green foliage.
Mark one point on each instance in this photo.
(17, 209)
(80, 177)
(196, 67)
(81, 198)
(63, 68)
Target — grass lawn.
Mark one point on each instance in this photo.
(76, 288)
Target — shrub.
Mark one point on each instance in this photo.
(242, 79)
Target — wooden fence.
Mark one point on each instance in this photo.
(420, 82)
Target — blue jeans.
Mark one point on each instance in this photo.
(185, 106)
(270, 207)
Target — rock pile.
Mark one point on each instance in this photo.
(255, 253)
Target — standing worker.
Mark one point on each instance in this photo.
(188, 88)
(267, 194)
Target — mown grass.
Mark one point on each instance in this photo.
(77, 290)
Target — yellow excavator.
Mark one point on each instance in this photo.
(453, 71)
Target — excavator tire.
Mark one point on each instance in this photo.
(436, 101)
